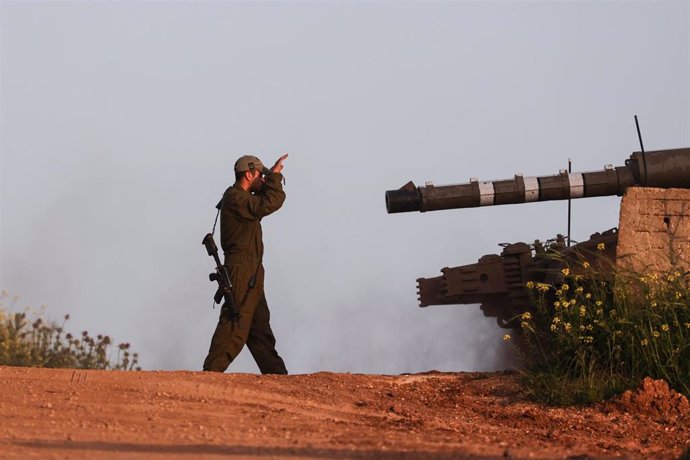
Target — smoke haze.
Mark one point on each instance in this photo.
(121, 122)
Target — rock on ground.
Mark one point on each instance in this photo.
(653, 399)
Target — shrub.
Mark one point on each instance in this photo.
(38, 343)
(597, 333)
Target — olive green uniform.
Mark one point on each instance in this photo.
(241, 240)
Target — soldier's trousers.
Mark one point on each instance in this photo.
(253, 327)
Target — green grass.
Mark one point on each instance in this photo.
(597, 334)
(39, 343)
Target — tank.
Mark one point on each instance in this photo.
(497, 281)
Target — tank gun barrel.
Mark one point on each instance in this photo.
(660, 168)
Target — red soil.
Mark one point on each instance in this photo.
(65, 413)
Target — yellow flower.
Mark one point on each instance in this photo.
(526, 316)
(664, 327)
(600, 312)
(655, 334)
(524, 325)
(579, 277)
(590, 327)
(506, 337)
(568, 327)
(556, 320)
(601, 246)
(565, 287)
(529, 285)
(598, 303)
(583, 310)
(579, 290)
(543, 287)
(678, 295)
(653, 304)
(554, 328)
(588, 296)
(582, 328)
(644, 342)
(585, 264)
(565, 271)
(557, 304)
(643, 279)
(654, 276)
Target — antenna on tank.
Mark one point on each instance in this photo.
(644, 157)
(639, 136)
(570, 170)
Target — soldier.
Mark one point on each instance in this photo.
(256, 193)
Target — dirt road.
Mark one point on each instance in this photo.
(64, 413)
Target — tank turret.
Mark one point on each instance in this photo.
(497, 281)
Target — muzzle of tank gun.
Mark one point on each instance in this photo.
(661, 168)
(406, 199)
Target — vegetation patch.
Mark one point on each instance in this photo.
(39, 343)
(599, 332)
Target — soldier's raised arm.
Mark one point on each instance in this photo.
(272, 196)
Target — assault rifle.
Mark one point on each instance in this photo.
(221, 276)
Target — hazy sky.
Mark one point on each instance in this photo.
(121, 122)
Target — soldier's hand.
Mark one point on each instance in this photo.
(278, 167)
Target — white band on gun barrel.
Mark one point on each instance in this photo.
(531, 189)
(577, 185)
(486, 193)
